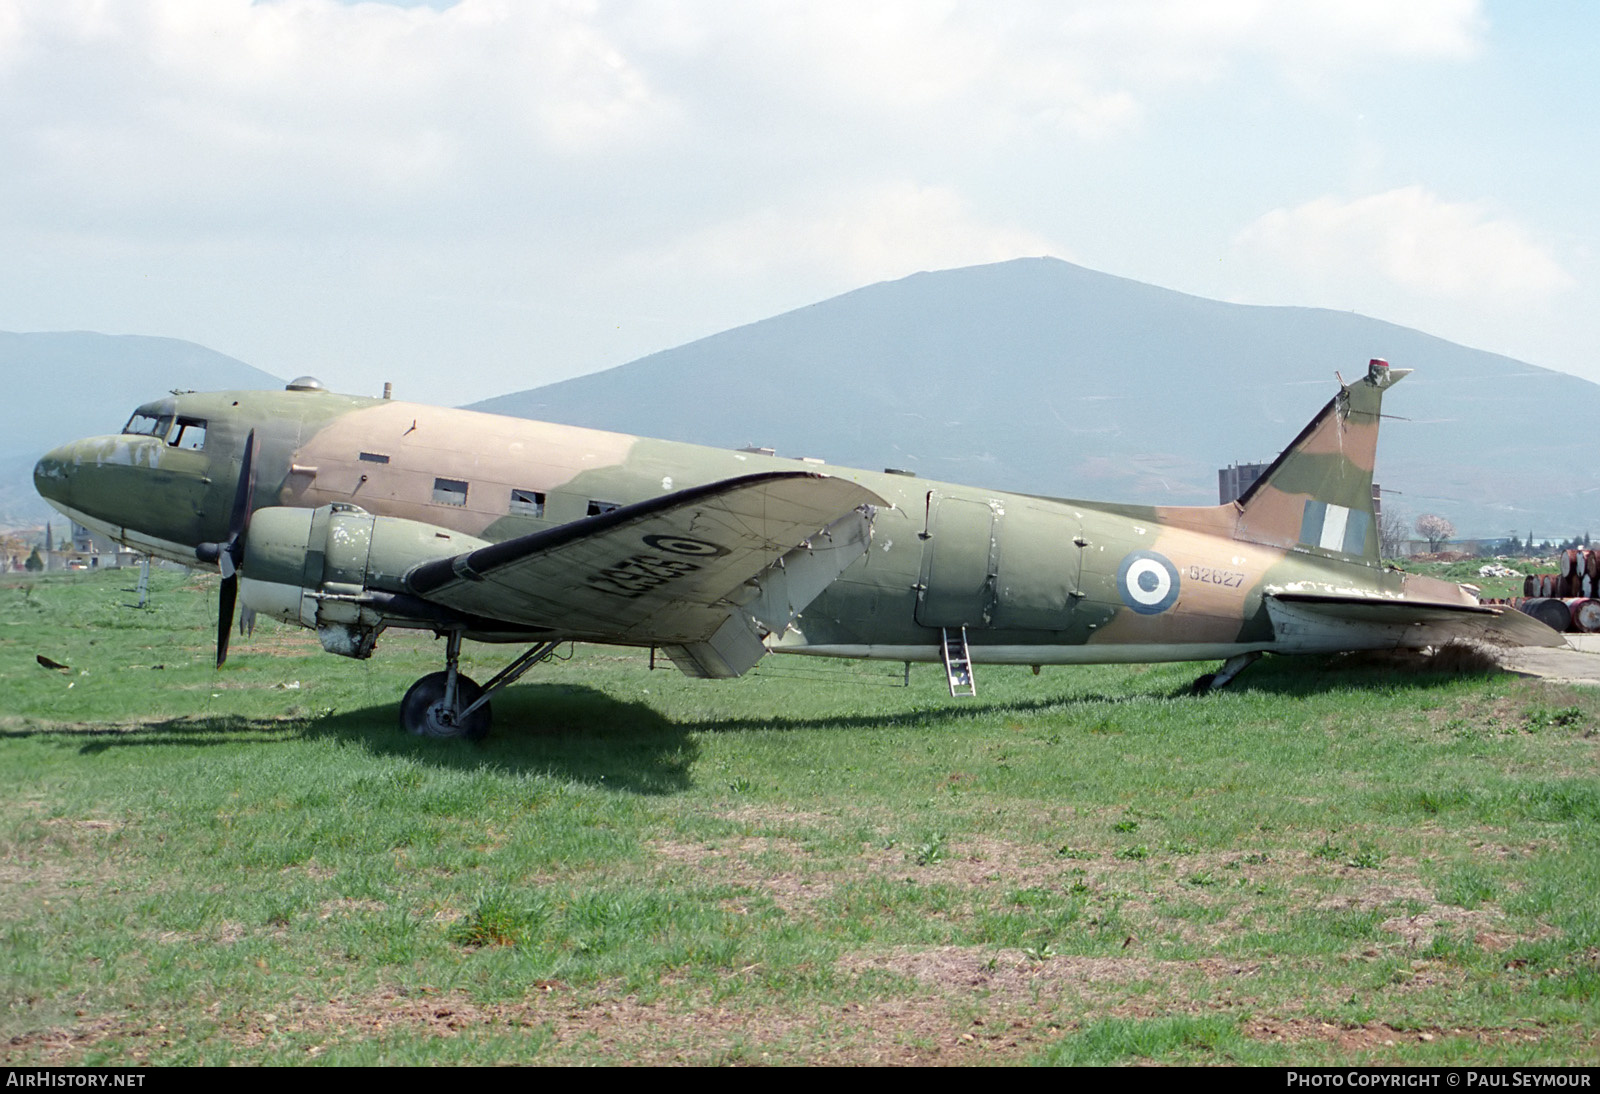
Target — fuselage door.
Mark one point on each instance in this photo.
(960, 562)
(1041, 568)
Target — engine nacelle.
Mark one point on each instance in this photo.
(338, 570)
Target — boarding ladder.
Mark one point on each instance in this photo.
(958, 662)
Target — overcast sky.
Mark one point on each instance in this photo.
(480, 197)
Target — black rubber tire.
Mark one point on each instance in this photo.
(1202, 686)
(422, 709)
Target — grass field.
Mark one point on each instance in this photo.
(1334, 862)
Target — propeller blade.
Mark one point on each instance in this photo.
(225, 603)
(230, 553)
(244, 497)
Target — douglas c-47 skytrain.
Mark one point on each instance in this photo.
(352, 515)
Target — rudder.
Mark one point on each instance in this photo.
(1317, 495)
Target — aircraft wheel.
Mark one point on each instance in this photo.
(1203, 684)
(423, 713)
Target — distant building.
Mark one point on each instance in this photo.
(1235, 479)
(96, 550)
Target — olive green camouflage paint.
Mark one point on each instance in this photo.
(1031, 579)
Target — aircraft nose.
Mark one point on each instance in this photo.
(52, 475)
(59, 474)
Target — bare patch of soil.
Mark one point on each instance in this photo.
(1014, 976)
(734, 862)
(1376, 1035)
(1417, 929)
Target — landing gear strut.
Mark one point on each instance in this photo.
(449, 705)
(1233, 666)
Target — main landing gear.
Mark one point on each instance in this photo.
(449, 705)
(1233, 666)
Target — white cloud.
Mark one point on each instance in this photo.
(1084, 68)
(1412, 239)
(185, 105)
(206, 98)
(218, 163)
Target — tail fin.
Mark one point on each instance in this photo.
(1317, 495)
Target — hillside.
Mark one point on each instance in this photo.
(1031, 375)
(1042, 376)
(59, 386)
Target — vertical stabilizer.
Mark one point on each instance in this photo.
(1317, 495)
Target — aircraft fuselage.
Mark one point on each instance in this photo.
(1032, 579)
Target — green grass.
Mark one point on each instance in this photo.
(1466, 570)
(1330, 863)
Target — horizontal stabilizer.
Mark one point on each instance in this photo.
(1325, 621)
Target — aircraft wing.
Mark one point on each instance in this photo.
(1410, 622)
(703, 572)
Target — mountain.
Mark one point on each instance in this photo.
(1040, 376)
(60, 386)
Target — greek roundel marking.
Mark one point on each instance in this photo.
(683, 545)
(1148, 582)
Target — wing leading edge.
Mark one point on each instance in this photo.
(704, 573)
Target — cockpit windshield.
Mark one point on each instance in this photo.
(148, 422)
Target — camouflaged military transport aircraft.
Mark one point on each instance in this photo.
(384, 514)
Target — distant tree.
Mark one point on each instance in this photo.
(1436, 530)
(1391, 532)
(34, 563)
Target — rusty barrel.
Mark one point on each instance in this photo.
(1547, 610)
(1585, 614)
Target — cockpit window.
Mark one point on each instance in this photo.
(188, 433)
(147, 425)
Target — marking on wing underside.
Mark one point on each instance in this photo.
(683, 545)
(636, 575)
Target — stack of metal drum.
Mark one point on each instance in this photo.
(1569, 600)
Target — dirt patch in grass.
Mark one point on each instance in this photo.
(1376, 1035)
(69, 860)
(734, 862)
(65, 1046)
(1014, 976)
(25, 887)
(225, 933)
(749, 862)
(604, 1028)
(982, 862)
(1417, 929)
(760, 815)
(345, 906)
